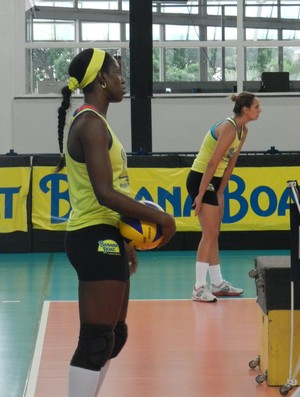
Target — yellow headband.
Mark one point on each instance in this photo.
(95, 65)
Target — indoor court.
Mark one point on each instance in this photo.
(176, 347)
(158, 78)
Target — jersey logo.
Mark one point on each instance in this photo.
(210, 187)
(230, 153)
(109, 247)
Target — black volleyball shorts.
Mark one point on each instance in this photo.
(193, 182)
(97, 253)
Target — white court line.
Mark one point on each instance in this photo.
(35, 365)
(10, 301)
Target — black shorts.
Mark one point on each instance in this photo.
(97, 253)
(193, 183)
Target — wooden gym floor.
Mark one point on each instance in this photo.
(176, 347)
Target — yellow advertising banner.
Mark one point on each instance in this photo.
(14, 189)
(257, 198)
(50, 198)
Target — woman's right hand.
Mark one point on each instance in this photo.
(168, 227)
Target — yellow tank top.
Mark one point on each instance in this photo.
(86, 210)
(208, 146)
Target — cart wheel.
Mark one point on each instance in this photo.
(254, 363)
(253, 273)
(261, 378)
(285, 389)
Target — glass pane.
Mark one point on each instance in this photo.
(46, 30)
(97, 31)
(230, 64)
(260, 60)
(268, 9)
(98, 5)
(291, 62)
(215, 7)
(127, 31)
(215, 33)
(57, 3)
(49, 69)
(291, 34)
(182, 64)
(125, 5)
(156, 32)
(290, 10)
(214, 59)
(157, 73)
(181, 32)
(261, 34)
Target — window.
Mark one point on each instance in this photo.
(193, 41)
(47, 30)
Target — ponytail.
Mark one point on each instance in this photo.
(62, 112)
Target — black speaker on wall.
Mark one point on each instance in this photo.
(275, 82)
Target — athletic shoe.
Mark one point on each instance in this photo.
(225, 289)
(203, 294)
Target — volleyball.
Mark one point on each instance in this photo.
(139, 234)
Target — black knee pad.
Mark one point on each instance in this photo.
(95, 345)
(121, 334)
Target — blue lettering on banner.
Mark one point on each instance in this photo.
(280, 206)
(8, 193)
(235, 195)
(174, 199)
(143, 194)
(254, 201)
(51, 183)
(284, 204)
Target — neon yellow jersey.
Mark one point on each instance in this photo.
(208, 146)
(86, 210)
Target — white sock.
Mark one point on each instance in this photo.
(215, 275)
(82, 382)
(201, 272)
(102, 376)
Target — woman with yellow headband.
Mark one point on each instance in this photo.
(99, 193)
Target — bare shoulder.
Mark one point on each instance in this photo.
(88, 121)
(226, 129)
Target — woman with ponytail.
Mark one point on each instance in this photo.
(206, 182)
(99, 194)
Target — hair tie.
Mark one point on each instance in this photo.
(73, 84)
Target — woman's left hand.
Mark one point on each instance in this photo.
(197, 204)
(132, 259)
(220, 199)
